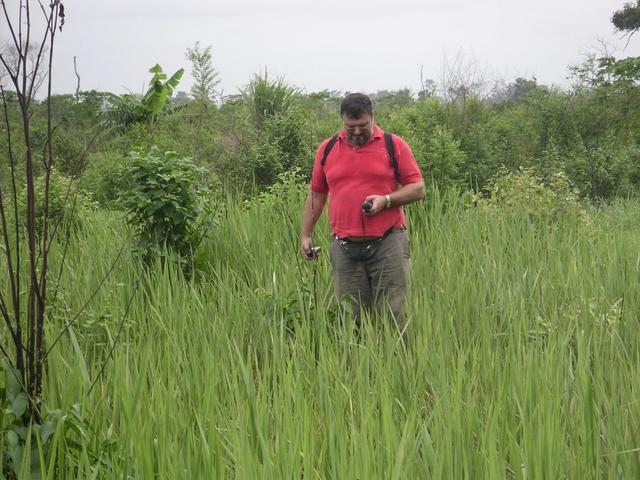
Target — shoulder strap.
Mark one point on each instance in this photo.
(394, 162)
(327, 149)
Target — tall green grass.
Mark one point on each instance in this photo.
(521, 357)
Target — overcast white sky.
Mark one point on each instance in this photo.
(329, 44)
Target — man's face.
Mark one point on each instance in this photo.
(359, 130)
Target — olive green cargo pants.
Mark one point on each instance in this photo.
(379, 282)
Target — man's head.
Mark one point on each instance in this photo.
(356, 111)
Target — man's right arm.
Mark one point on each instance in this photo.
(312, 210)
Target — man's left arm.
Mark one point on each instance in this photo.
(410, 178)
(404, 195)
(407, 194)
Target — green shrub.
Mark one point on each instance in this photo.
(290, 185)
(67, 205)
(444, 157)
(104, 177)
(524, 191)
(164, 201)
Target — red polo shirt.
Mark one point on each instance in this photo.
(350, 174)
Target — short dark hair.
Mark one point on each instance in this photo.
(355, 105)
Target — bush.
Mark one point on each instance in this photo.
(290, 186)
(525, 191)
(104, 177)
(444, 158)
(67, 205)
(164, 201)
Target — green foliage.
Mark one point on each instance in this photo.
(78, 113)
(104, 177)
(128, 109)
(252, 138)
(67, 153)
(164, 202)
(514, 137)
(266, 98)
(598, 71)
(160, 89)
(385, 100)
(605, 170)
(204, 75)
(518, 90)
(626, 71)
(32, 450)
(444, 158)
(258, 155)
(525, 192)
(68, 205)
(289, 185)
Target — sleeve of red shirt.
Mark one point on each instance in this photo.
(407, 165)
(318, 179)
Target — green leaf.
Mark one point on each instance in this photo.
(79, 355)
(12, 438)
(19, 404)
(13, 378)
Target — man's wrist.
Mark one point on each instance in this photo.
(388, 204)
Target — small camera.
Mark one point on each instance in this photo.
(314, 252)
(366, 206)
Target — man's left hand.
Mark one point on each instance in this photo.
(378, 203)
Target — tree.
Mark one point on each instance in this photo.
(204, 87)
(391, 100)
(519, 88)
(627, 19)
(25, 326)
(204, 75)
(444, 157)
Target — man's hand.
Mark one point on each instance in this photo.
(306, 244)
(409, 193)
(377, 202)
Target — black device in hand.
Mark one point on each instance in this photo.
(366, 206)
(313, 252)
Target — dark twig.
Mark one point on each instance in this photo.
(75, 70)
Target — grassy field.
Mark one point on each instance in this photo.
(521, 358)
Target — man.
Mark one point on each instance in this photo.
(370, 250)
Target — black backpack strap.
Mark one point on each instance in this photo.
(327, 149)
(394, 162)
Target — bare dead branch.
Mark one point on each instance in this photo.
(46, 146)
(7, 319)
(49, 34)
(75, 70)
(10, 24)
(14, 275)
(12, 75)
